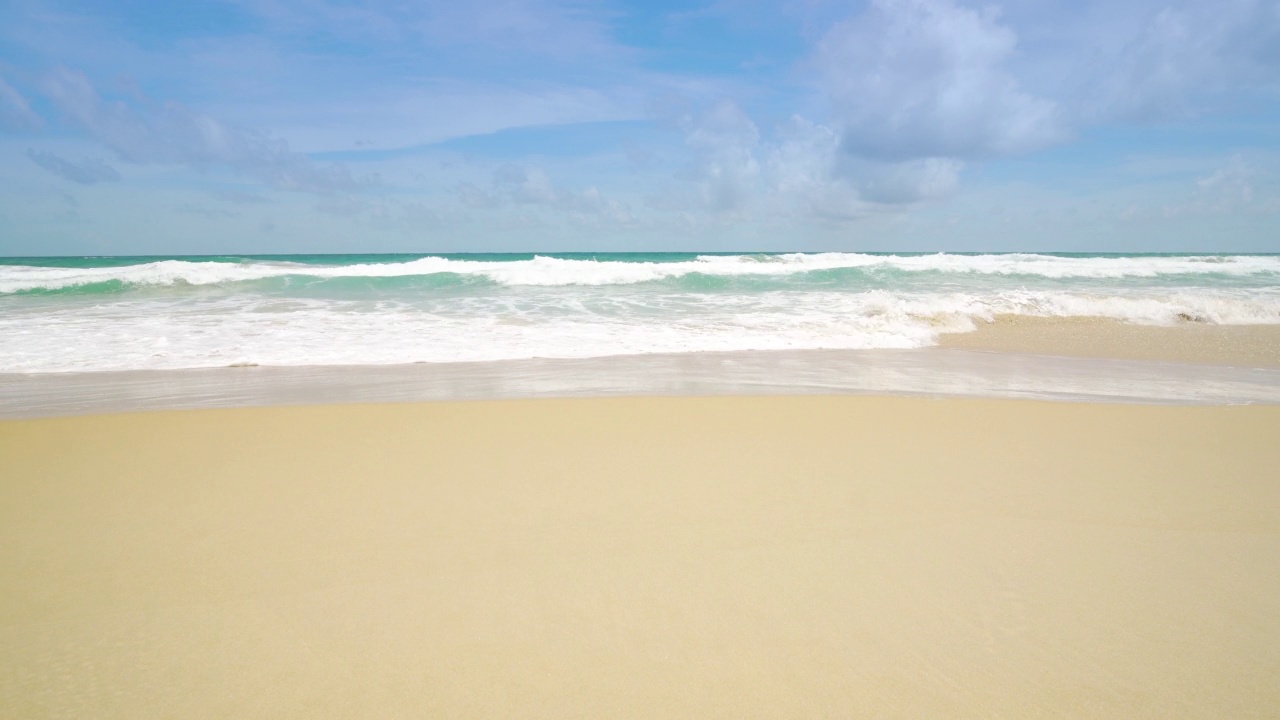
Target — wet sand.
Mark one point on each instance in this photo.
(1188, 342)
(644, 557)
(930, 372)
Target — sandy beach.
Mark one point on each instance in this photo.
(602, 359)
(1255, 346)
(644, 557)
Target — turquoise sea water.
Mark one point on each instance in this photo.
(95, 313)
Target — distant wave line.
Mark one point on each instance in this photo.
(552, 271)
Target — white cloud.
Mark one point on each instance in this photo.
(806, 165)
(474, 196)
(515, 185)
(800, 170)
(804, 156)
(916, 90)
(543, 27)
(15, 111)
(913, 79)
(171, 134)
(525, 185)
(801, 173)
(909, 181)
(725, 143)
(85, 172)
(1165, 61)
(1231, 182)
(911, 96)
(548, 28)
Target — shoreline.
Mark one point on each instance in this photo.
(641, 557)
(1256, 346)
(928, 372)
(1064, 359)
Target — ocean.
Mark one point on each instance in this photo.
(131, 313)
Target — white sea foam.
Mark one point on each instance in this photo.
(253, 329)
(550, 271)
(558, 307)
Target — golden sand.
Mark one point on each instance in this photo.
(1194, 342)
(771, 557)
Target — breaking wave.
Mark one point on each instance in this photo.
(555, 271)
(189, 312)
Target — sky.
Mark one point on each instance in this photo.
(359, 126)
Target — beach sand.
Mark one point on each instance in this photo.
(1188, 342)
(779, 557)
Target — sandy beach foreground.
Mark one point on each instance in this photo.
(644, 557)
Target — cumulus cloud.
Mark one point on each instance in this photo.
(803, 157)
(1234, 180)
(171, 134)
(526, 185)
(474, 196)
(519, 185)
(15, 111)
(913, 79)
(800, 169)
(806, 164)
(909, 181)
(917, 90)
(1178, 59)
(725, 143)
(802, 173)
(85, 172)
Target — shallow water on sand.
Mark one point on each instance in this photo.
(935, 372)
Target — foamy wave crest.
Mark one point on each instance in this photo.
(551, 271)
(1030, 264)
(173, 272)
(1214, 307)
(252, 329)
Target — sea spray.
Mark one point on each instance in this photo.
(97, 314)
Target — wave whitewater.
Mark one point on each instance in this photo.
(154, 313)
(554, 271)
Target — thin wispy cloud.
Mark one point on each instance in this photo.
(171, 134)
(84, 172)
(812, 119)
(15, 110)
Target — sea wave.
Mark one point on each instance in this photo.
(254, 329)
(553, 271)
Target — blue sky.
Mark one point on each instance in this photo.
(232, 126)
